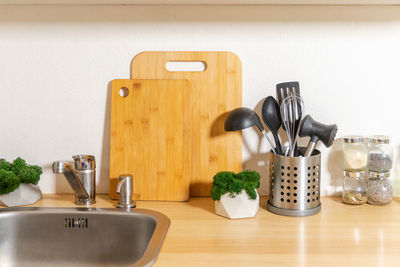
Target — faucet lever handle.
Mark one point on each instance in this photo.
(84, 162)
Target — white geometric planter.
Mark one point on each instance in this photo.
(25, 194)
(240, 206)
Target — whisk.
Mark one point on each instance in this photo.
(292, 110)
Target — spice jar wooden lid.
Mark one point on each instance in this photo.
(354, 139)
(379, 139)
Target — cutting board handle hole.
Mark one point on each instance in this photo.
(123, 92)
(185, 66)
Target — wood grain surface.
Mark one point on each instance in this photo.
(215, 91)
(340, 235)
(149, 138)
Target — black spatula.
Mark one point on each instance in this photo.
(284, 90)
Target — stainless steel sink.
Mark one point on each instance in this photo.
(80, 237)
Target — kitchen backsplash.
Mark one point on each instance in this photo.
(57, 64)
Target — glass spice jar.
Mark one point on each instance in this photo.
(380, 153)
(354, 188)
(355, 153)
(379, 190)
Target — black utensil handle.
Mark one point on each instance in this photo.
(278, 144)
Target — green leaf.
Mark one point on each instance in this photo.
(229, 182)
(8, 182)
(5, 165)
(30, 175)
(18, 165)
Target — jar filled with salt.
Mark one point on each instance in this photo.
(380, 153)
(354, 188)
(379, 189)
(355, 153)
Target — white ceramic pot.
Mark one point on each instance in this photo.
(240, 206)
(25, 194)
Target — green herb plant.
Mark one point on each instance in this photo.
(234, 183)
(15, 173)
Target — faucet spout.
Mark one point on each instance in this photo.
(119, 186)
(72, 178)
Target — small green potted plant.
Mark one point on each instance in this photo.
(235, 194)
(18, 183)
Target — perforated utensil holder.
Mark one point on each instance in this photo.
(295, 185)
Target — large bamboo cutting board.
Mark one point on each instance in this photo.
(149, 138)
(214, 92)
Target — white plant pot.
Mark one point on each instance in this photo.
(25, 194)
(240, 206)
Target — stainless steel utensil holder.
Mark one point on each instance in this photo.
(295, 185)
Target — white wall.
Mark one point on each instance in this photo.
(56, 63)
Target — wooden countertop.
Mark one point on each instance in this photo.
(340, 235)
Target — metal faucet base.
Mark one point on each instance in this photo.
(84, 202)
(125, 206)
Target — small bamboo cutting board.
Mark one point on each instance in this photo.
(149, 137)
(215, 91)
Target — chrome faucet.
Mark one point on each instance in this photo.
(82, 179)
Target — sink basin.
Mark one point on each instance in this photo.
(80, 236)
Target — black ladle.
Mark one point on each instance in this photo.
(270, 112)
(242, 118)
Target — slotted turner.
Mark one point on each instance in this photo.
(284, 90)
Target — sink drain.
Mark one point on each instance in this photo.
(76, 223)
